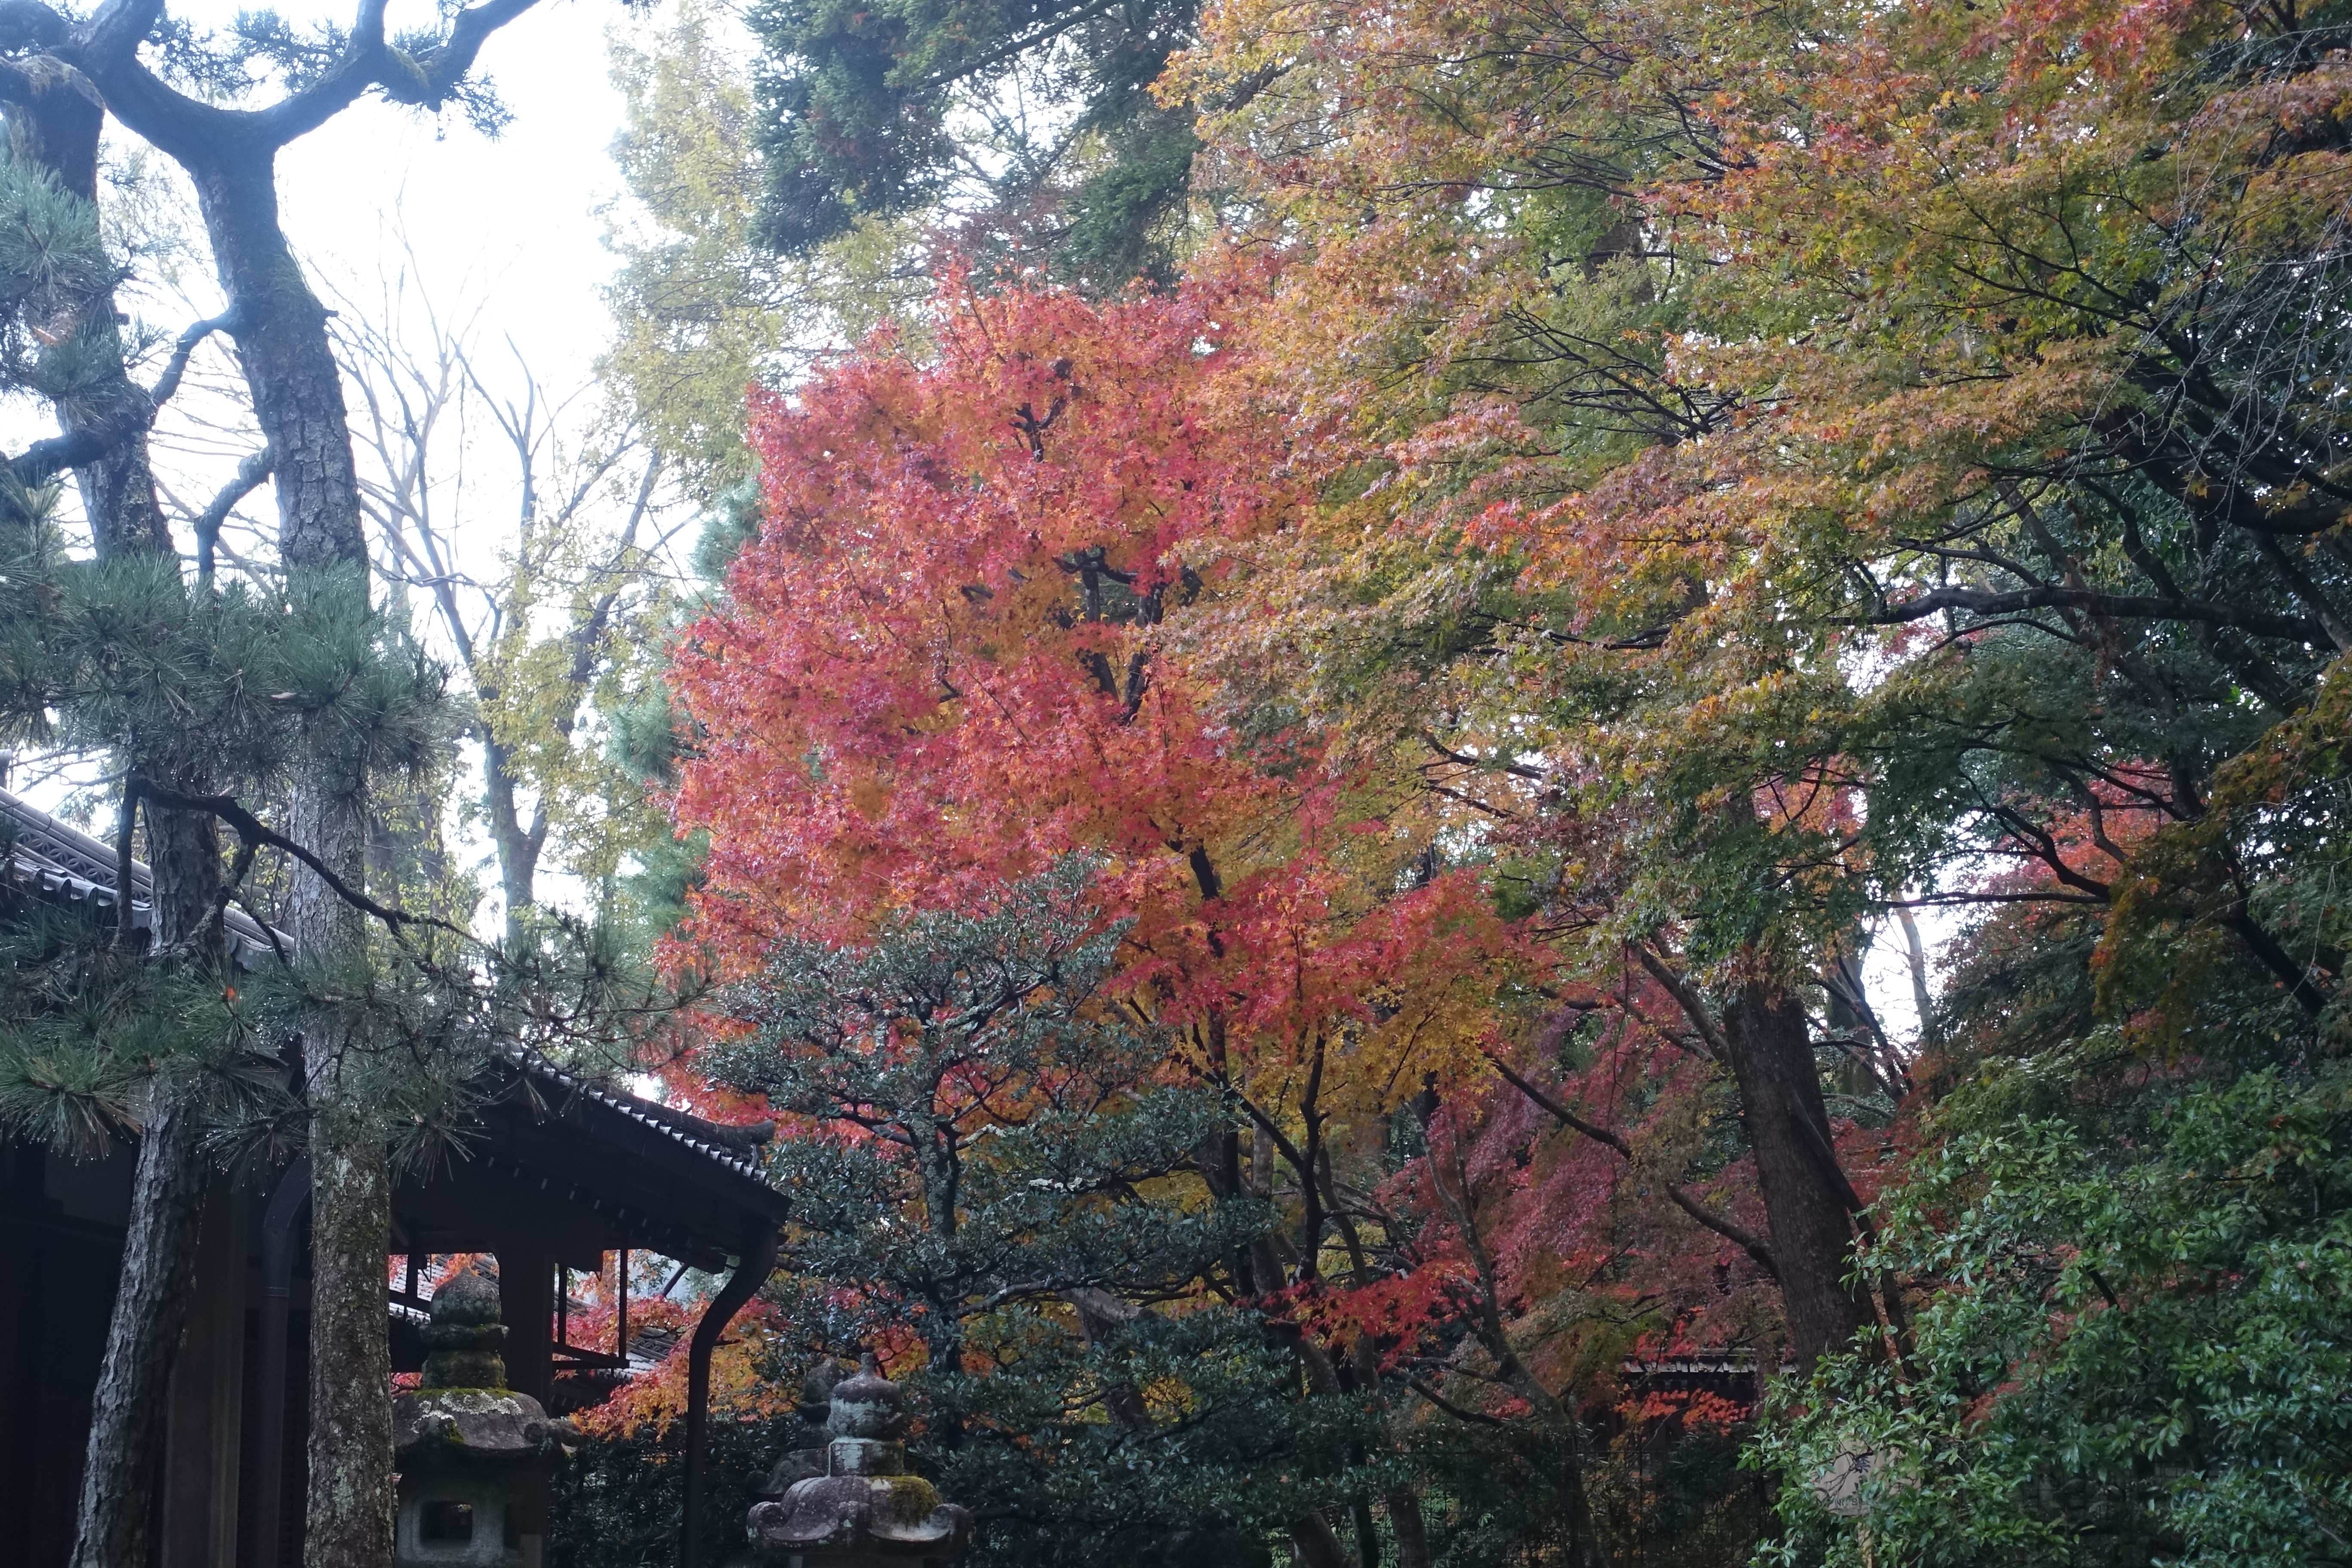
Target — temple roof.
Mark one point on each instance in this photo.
(59, 861)
(676, 1178)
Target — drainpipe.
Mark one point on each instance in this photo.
(759, 1258)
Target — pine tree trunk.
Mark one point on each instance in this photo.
(159, 1260)
(54, 123)
(350, 1501)
(1808, 1203)
(280, 330)
(297, 397)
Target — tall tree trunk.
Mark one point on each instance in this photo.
(297, 397)
(159, 1260)
(349, 1509)
(518, 847)
(1808, 1203)
(1316, 1546)
(297, 391)
(1412, 1533)
(53, 123)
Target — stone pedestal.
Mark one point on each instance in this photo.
(802, 1453)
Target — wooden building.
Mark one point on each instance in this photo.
(563, 1173)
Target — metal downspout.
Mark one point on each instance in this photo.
(759, 1258)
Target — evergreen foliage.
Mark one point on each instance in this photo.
(86, 1031)
(881, 111)
(2136, 1347)
(993, 1173)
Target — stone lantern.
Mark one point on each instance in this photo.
(806, 1442)
(865, 1511)
(469, 1449)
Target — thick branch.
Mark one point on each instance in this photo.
(1723, 1226)
(250, 829)
(2298, 978)
(249, 475)
(125, 827)
(107, 51)
(360, 65)
(193, 130)
(2122, 607)
(27, 26)
(43, 460)
(1685, 998)
(438, 72)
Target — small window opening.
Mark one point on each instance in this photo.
(447, 1523)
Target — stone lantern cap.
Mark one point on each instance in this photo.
(867, 1405)
(461, 1414)
(865, 1509)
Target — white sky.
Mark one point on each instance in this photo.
(512, 222)
(507, 231)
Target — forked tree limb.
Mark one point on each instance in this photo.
(44, 459)
(1688, 1000)
(250, 473)
(1723, 1225)
(250, 829)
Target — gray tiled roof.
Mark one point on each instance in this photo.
(729, 1146)
(56, 860)
(59, 861)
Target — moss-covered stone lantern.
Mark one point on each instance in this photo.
(865, 1511)
(469, 1449)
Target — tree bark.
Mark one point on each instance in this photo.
(1317, 1547)
(518, 847)
(159, 1260)
(349, 1510)
(289, 366)
(297, 391)
(1412, 1533)
(1808, 1203)
(297, 397)
(55, 119)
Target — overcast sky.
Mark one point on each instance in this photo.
(512, 221)
(508, 230)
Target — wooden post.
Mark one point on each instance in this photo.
(286, 1201)
(203, 1425)
(527, 1302)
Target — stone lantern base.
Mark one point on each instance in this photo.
(458, 1520)
(471, 1452)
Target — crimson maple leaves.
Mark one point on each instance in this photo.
(955, 654)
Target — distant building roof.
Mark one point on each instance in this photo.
(58, 861)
